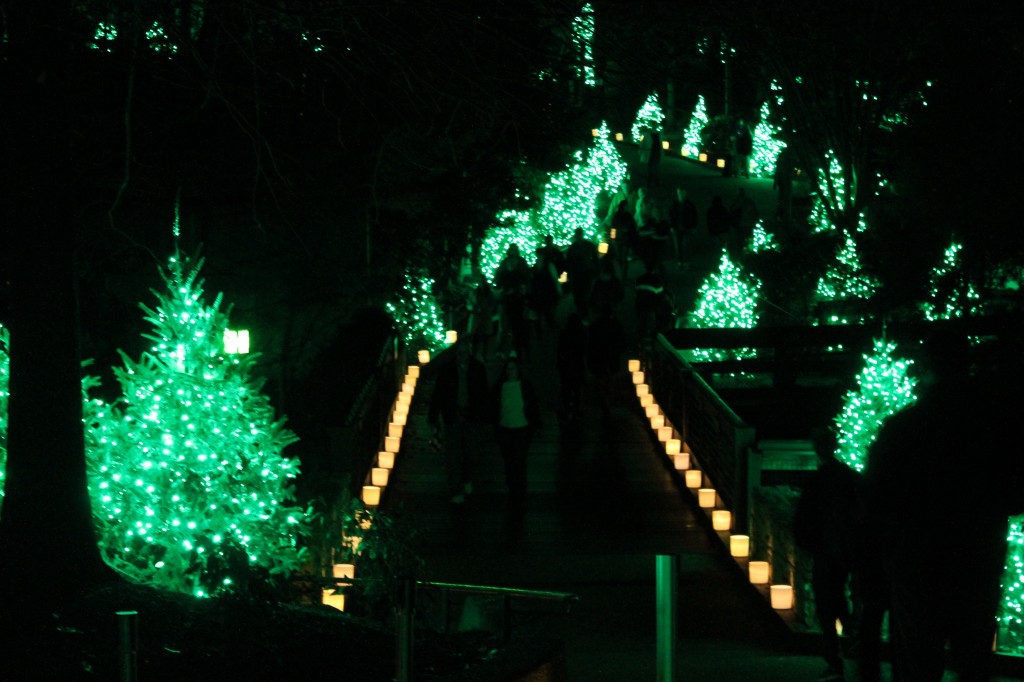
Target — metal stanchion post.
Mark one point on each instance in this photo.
(404, 628)
(127, 645)
(666, 574)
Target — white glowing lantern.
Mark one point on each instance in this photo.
(633, 365)
(638, 377)
(681, 461)
(408, 388)
(646, 400)
(602, 248)
(451, 336)
(343, 571)
(236, 341)
(703, 157)
(334, 599)
(642, 390)
(385, 459)
(684, 152)
(782, 597)
(665, 433)
(706, 497)
(721, 519)
(423, 356)
(652, 410)
(414, 371)
(391, 444)
(720, 163)
(395, 430)
(759, 572)
(371, 495)
(563, 277)
(694, 478)
(739, 545)
(657, 422)
(403, 400)
(379, 476)
(618, 137)
(400, 418)
(595, 132)
(673, 446)
(664, 144)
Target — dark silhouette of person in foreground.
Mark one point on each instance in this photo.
(941, 483)
(829, 523)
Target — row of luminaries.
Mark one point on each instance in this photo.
(699, 485)
(377, 480)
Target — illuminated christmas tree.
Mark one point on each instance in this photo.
(1011, 607)
(649, 117)
(605, 162)
(950, 295)
(417, 314)
(190, 485)
(846, 278)
(570, 202)
(691, 138)
(761, 240)
(727, 298)
(514, 227)
(883, 389)
(583, 39)
(766, 145)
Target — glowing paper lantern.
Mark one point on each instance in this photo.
(343, 571)
(612, 233)
(563, 277)
(721, 519)
(652, 410)
(657, 422)
(371, 495)
(720, 163)
(646, 400)
(414, 371)
(642, 390)
(703, 157)
(759, 572)
(595, 132)
(385, 459)
(334, 599)
(638, 377)
(395, 430)
(451, 336)
(379, 476)
(618, 137)
(694, 478)
(782, 597)
(664, 144)
(739, 545)
(633, 365)
(681, 461)
(602, 248)
(408, 388)
(673, 446)
(423, 356)
(706, 497)
(403, 400)
(665, 433)
(400, 418)
(391, 444)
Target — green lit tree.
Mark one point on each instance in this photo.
(762, 240)
(191, 487)
(5, 387)
(883, 388)
(605, 162)
(583, 40)
(649, 117)
(417, 313)
(1011, 607)
(699, 119)
(846, 278)
(727, 298)
(767, 145)
(950, 295)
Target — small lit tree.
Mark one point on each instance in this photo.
(605, 162)
(846, 278)
(883, 388)
(649, 117)
(699, 119)
(727, 298)
(762, 240)
(950, 295)
(417, 313)
(191, 488)
(766, 145)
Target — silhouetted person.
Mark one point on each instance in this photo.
(516, 416)
(608, 288)
(544, 292)
(650, 302)
(606, 343)
(654, 160)
(718, 222)
(457, 409)
(512, 279)
(625, 233)
(744, 148)
(941, 482)
(829, 523)
(581, 265)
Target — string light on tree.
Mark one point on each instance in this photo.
(516, 228)
(950, 295)
(417, 314)
(766, 145)
(1011, 606)
(605, 162)
(583, 40)
(649, 117)
(846, 278)
(762, 240)
(883, 388)
(727, 298)
(191, 490)
(5, 387)
(698, 119)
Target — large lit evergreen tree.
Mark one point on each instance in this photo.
(846, 279)
(649, 117)
(417, 313)
(727, 298)
(766, 145)
(191, 488)
(883, 388)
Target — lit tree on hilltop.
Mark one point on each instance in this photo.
(189, 482)
(883, 389)
(728, 298)
(649, 117)
(417, 313)
(699, 119)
